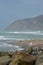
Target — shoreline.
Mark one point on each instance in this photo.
(35, 42)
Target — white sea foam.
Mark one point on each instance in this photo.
(1, 37)
(16, 39)
(10, 47)
(24, 32)
(7, 37)
(30, 32)
(4, 38)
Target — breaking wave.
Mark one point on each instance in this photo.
(21, 35)
(34, 32)
(3, 38)
(9, 47)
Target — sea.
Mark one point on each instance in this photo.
(10, 36)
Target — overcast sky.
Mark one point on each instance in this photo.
(11, 10)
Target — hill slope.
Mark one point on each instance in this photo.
(35, 23)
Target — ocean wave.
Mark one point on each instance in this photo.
(6, 38)
(9, 35)
(12, 39)
(2, 38)
(9, 47)
(33, 32)
(24, 32)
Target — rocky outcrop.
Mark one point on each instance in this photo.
(21, 58)
(39, 60)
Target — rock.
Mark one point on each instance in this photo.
(21, 58)
(39, 60)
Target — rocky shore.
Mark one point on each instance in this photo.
(31, 55)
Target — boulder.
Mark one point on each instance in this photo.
(21, 58)
(39, 60)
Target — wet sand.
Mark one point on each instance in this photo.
(27, 42)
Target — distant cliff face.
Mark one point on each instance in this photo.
(35, 23)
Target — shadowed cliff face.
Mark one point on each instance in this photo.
(35, 23)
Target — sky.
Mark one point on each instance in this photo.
(11, 10)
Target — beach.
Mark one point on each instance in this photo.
(35, 42)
